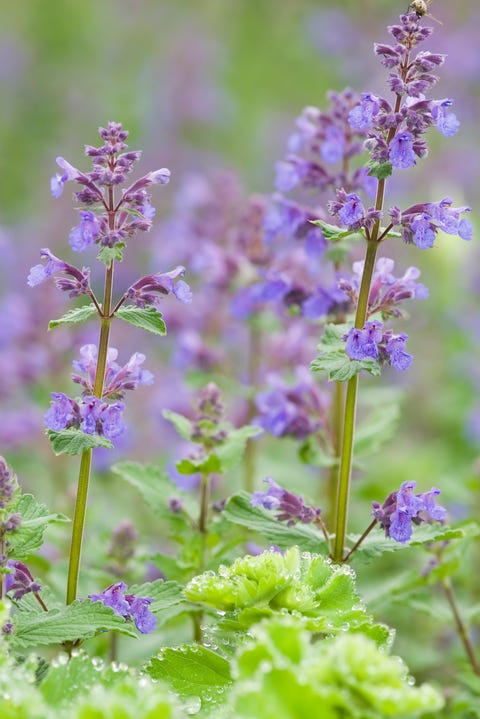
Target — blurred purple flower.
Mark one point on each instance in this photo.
(128, 606)
(291, 508)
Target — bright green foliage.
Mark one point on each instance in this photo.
(192, 671)
(35, 519)
(74, 316)
(281, 673)
(68, 679)
(74, 441)
(146, 318)
(333, 359)
(306, 585)
(132, 698)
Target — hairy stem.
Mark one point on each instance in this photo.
(460, 626)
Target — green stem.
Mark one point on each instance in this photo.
(86, 460)
(462, 630)
(337, 437)
(346, 458)
(78, 525)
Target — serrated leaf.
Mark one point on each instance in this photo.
(78, 314)
(107, 254)
(74, 441)
(240, 511)
(79, 620)
(333, 359)
(380, 170)
(192, 670)
(35, 519)
(183, 425)
(146, 318)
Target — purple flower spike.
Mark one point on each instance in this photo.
(402, 508)
(128, 606)
(8, 483)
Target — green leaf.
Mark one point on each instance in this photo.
(78, 314)
(108, 254)
(74, 441)
(240, 511)
(333, 233)
(192, 670)
(152, 483)
(146, 318)
(206, 465)
(311, 453)
(183, 425)
(79, 620)
(333, 359)
(380, 170)
(35, 519)
(231, 451)
(376, 543)
(377, 428)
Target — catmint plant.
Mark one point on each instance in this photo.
(112, 210)
(395, 141)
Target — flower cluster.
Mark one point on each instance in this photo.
(117, 379)
(291, 411)
(373, 342)
(112, 163)
(90, 415)
(76, 282)
(128, 606)
(386, 290)
(402, 508)
(420, 223)
(290, 507)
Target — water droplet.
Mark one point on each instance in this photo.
(98, 663)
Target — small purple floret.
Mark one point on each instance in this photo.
(291, 508)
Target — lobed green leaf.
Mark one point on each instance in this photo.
(74, 316)
(146, 318)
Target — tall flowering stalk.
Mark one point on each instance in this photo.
(111, 212)
(394, 141)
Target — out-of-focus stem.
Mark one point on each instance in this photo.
(461, 629)
(253, 367)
